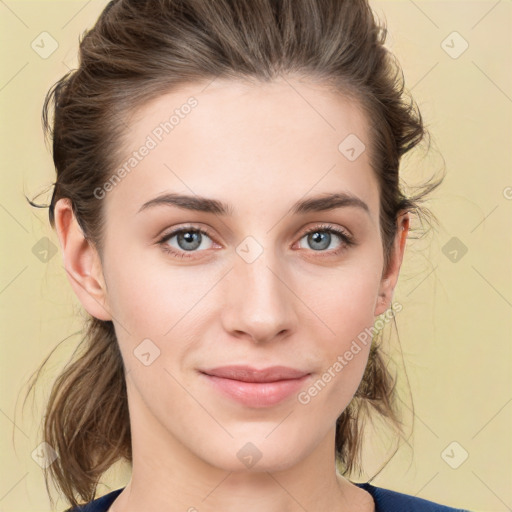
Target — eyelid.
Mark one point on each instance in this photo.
(329, 227)
(168, 233)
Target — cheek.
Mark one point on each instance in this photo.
(148, 297)
(345, 302)
(345, 305)
(149, 300)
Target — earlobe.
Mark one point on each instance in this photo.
(388, 282)
(81, 262)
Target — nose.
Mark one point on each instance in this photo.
(258, 305)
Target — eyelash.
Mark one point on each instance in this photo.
(346, 239)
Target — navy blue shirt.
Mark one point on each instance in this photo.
(385, 501)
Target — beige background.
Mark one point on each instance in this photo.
(455, 326)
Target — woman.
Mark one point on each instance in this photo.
(229, 213)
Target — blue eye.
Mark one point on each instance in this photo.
(319, 238)
(190, 240)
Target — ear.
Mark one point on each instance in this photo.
(390, 275)
(81, 262)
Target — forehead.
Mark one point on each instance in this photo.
(221, 139)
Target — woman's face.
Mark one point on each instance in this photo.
(248, 285)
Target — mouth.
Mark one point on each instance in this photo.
(245, 373)
(256, 388)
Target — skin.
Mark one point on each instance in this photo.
(293, 305)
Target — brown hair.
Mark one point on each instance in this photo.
(139, 49)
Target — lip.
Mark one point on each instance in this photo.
(249, 374)
(256, 388)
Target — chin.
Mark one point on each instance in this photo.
(260, 455)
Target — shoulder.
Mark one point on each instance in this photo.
(99, 504)
(387, 500)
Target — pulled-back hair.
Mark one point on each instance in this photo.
(140, 49)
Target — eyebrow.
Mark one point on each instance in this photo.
(319, 203)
